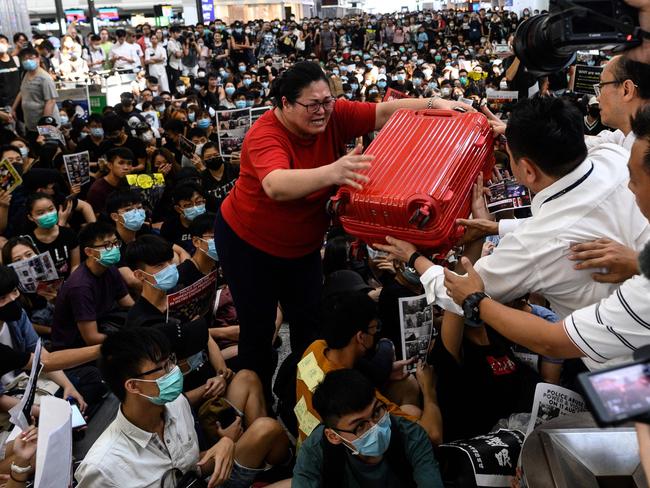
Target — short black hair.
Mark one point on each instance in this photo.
(122, 152)
(120, 33)
(94, 231)
(123, 352)
(112, 123)
(27, 51)
(639, 73)
(641, 129)
(292, 81)
(210, 145)
(202, 224)
(343, 315)
(196, 132)
(184, 191)
(120, 199)
(148, 249)
(175, 126)
(549, 132)
(342, 392)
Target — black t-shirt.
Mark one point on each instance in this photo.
(188, 274)
(217, 191)
(173, 230)
(60, 249)
(125, 115)
(489, 384)
(522, 81)
(144, 230)
(95, 151)
(11, 360)
(9, 82)
(136, 146)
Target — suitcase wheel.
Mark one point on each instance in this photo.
(333, 207)
(421, 216)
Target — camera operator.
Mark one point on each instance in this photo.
(624, 88)
(641, 53)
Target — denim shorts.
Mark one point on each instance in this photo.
(241, 476)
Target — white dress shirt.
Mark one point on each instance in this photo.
(127, 456)
(591, 202)
(615, 137)
(173, 47)
(128, 51)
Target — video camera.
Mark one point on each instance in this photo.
(548, 43)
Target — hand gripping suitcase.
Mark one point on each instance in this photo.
(421, 178)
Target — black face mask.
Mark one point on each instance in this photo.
(11, 312)
(594, 111)
(214, 163)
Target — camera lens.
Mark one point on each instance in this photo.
(537, 49)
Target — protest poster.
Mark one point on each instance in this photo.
(392, 94)
(150, 186)
(492, 457)
(51, 133)
(54, 445)
(500, 101)
(21, 413)
(257, 112)
(507, 195)
(416, 324)
(194, 300)
(34, 271)
(502, 50)
(232, 126)
(187, 147)
(552, 401)
(77, 166)
(9, 177)
(585, 78)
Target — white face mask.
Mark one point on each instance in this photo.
(4, 48)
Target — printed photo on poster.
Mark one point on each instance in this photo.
(257, 112)
(232, 126)
(77, 166)
(416, 323)
(507, 195)
(196, 300)
(552, 401)
(34, 272)
(51, 133)
(187, 147)
(9, 177)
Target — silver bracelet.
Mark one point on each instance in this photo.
(430, 104)
(19, 469)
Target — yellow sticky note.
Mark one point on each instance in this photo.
(310, 372)
(306, 420)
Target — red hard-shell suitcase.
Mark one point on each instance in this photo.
(420, 180)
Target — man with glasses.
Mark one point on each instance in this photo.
(360, 443)
(350, 336)
(92, 292)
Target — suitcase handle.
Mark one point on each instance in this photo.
(437, 112)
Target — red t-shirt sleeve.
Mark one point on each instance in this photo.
(267, 151)
(355, 119)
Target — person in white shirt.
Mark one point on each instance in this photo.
(122, 54)
(155, 57)
(94, 54)
(624, 87)
(152, 440)
(610, 329)
(579, 197)
(174, 54)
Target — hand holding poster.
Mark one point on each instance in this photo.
(501, 100)
(416, 324)
(9, 177)
(194, 300)
(188, 148)
(77, 166)
(54, 447)
(51, 133)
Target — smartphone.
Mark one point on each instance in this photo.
(77, 418)
(618, 394)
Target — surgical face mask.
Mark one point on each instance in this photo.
(463, 80)
(160, 108)
(64, 119)
(381, 84)
(166, 278)
(30, 64)
(170, 387)
(247, 82)
(109, 257)
(4, 48)
(230, 90)
(372, 92)
(191, 116)
(249, 103)
(193, 212)
(203, 123)
(354, 86)
(147, 137)
(212, 250)
(348, 95)
(446, 92)
(240, 104)
(181, 89)
(400, 76)
(97, 132)
(241, 68)
(265, 84)
(133, 219)
(335, 71)
(11, 312)
(374, 442)
(48, 220)
(24, 152)
(417, 81)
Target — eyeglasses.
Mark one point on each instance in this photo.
(109, 245)
(377, 328)
(167, 366)
(193, 203)
(313, 108)
(599, 86)
(364, 426)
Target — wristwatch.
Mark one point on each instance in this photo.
(471, 308)
(414, 257)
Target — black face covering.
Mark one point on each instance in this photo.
(214, 163)
(11, 312)
(594, 111)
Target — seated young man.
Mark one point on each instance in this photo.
(153, 433)
(350, 332)
(92, 291)
(125, 208)
(151, 259)
(360, 443)
(119, 162)
(189, 203)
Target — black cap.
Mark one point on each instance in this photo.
(47, 120)
(344, 281)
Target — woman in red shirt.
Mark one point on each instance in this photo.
(270, 228)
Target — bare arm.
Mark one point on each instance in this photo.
(68, 358)
(229, 332)
(90, 333)
(216, 358)
(511, 72)
(126, 301)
